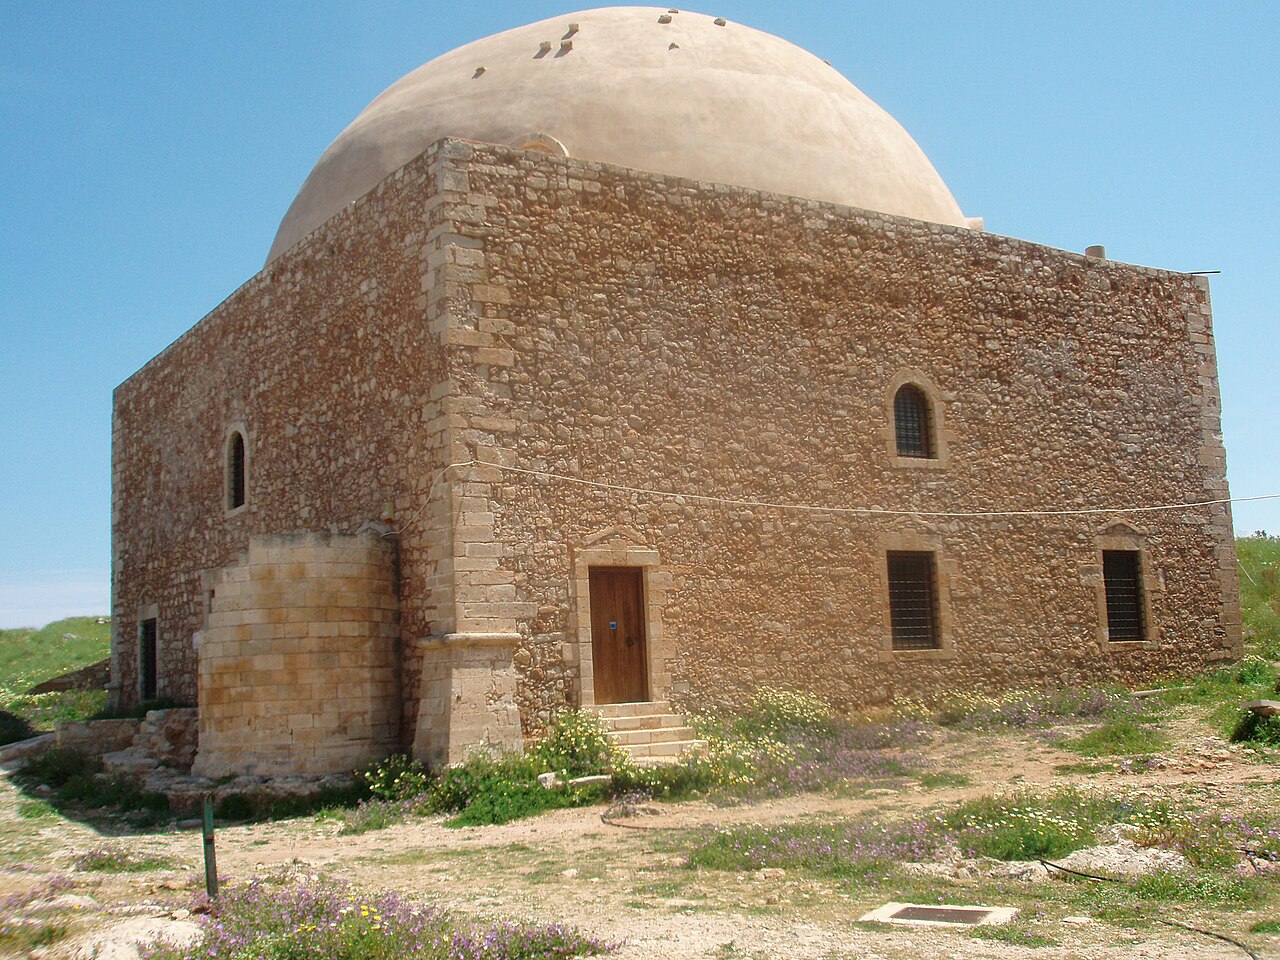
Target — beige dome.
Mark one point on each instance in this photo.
(675, 93)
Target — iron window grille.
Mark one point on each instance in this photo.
(911, 423)
(1122, 574)
(913, 601)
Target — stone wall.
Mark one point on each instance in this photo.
(96, 737)
(299, 667)
(164, 739)
(324, 361)
(506, 311)
(95, 676)
(466, 697)
(169, 737)
(658, 333)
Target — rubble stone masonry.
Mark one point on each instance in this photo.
(505, 311)
(709, 340)
(324, 362)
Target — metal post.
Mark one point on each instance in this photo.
(210, 859)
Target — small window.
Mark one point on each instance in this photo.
(148, 660)
(913, 601)
(1122, 574)
(235, 470)
(911, 423)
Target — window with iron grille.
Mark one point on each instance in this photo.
(913, 601)
(235, 471)
(1122, 574)
(911, 423)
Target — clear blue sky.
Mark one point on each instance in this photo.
(150, 150)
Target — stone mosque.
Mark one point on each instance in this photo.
(633, 360)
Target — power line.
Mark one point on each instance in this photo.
(857, 511)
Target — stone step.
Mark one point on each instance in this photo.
(637, 709)
(648, 730)
(649, 721)
(665, 751)
(632, 738)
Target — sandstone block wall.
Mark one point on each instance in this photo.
(466, 698)
(299, 666)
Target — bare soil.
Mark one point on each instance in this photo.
(627, 882)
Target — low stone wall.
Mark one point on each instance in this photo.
(299, 668)
(96, 737)
(95, 676)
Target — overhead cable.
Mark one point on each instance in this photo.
(861, 511)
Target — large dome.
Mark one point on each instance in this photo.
(675, 93)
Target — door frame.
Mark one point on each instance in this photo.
(617, 547)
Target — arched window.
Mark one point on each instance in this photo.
(911, 423)
(235, 470)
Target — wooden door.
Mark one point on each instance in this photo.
(619, 648)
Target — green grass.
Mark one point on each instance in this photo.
(114, 859)
(1266, 926)
(1118, 738)
(1027, 825)
(1253, 728)
(1252, 677)
(1023, 825)
(80, 786)
(943, 778)
(1084, 767)
(1018, 936)
(1197, 887)
(864, 857)
(331, 803)
(1259, 559)
(36, 810)
(23, 937)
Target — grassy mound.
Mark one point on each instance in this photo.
(60, 647)
(29, 657)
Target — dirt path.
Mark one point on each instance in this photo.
(629, 884)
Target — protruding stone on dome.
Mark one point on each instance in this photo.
(735, 106)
